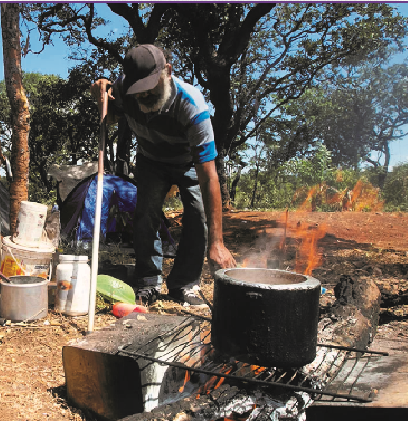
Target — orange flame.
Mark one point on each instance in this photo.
(310, 202)
(221, 381)
(364, 196)
(339, 197)
(308, 257)
(306, 236)
(257, 369)
(186, 379)
(214, 383)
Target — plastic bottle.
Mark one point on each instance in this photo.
(73, 285)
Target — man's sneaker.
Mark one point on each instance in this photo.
(148, 295)
(187, 297)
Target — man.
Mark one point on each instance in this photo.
(175, 146)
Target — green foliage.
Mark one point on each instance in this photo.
(276, 187)
(173, 203)
(251, 60)
(64, 126)
(341, 179)
(354, 111)
(282, 189)
(395, 192)
(288, 185)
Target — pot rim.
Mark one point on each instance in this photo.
(30, 285)
(308, 283)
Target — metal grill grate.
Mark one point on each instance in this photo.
(195, 353)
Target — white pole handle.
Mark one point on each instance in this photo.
(97, 227)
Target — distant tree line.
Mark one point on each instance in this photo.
(282, 80)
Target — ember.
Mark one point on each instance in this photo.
(214, 383)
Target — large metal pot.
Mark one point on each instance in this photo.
(266, 317)
(25, 298)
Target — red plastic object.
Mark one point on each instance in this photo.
(122, 309)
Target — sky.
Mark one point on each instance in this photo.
(54, 60)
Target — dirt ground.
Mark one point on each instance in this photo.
(375, 245)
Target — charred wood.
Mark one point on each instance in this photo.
(389, 316)
(391, 300)
(357, 307)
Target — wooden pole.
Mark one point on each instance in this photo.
(97, 225)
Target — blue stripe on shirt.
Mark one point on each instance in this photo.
(197, 119)
(203, 153)
(184, 94)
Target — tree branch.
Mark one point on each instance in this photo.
(99, 42)
(237, 39)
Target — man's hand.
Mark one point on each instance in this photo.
(98, 91)
(219, 257)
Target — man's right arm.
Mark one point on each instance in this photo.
(98, 90)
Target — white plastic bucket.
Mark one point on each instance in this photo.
(19, 260)
(30, 224)
(73, 285)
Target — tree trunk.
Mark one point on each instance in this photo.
(222, 176)
(219, 80)
(234, 184)
(123, 147)
(255, 187)
(20, 114)
(387, 156)
(73, 146)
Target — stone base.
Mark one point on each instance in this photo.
(113, 385)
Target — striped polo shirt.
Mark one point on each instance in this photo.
(181, 132)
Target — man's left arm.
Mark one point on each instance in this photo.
(218, 255)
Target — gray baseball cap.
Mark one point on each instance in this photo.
(142, 68)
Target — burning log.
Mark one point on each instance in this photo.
(358, 303)
(352, 323)
(392, 300)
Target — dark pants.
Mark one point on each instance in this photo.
(154, 180)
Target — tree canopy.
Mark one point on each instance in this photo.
(358, 111)
(272, 52)
(249, 59)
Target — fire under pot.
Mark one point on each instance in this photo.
(266, 317)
